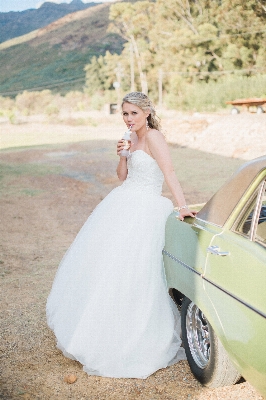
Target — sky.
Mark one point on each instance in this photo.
(20, 5)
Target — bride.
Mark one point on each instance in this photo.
(109, 306)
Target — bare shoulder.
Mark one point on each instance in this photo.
(157, 145)
(153, 135)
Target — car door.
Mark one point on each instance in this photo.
(235, 283)
(185, 255)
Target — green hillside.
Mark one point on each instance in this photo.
(54, 57)
(17, 23)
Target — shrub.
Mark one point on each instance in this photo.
(211, 96)
(52, 110)
(33, 102)
(98, 100)
(76, 101)
(12, 117)
(6, 104)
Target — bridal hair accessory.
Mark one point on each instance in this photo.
(142, 101)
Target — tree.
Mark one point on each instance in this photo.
(184, 41)
(133, 22)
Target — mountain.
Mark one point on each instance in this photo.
(13, 24)
(54, 56)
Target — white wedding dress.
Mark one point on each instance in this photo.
(109, 306)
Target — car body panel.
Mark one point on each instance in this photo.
(245, 258)
(242, 333)
(230, 289)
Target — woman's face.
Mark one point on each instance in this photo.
(135, 116)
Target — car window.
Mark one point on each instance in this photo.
(260, 233)
(254, 225)
(245, 223)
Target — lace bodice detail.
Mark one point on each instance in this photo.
(143, 173)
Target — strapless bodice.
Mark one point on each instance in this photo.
(143, 173)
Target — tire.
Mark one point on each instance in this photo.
(205, 353)
(235, 111)
(260, 110)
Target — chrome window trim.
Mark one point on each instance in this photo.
(256, 215)
(208, 222)
(203, 228)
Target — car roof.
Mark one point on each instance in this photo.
(218, 209)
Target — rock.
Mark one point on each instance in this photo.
(70, 378)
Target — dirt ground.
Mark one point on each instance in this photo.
(237, 136)
(46, 194)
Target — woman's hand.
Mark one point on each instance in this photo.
(120, 147)
(186, 212)
(122, 165)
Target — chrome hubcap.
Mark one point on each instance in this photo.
(198, 335)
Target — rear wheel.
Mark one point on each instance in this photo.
(205, 353)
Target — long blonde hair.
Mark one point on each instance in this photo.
(142, 101)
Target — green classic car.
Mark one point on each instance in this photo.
(216, 267)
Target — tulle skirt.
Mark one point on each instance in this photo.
(109, 306)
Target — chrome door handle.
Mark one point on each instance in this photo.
(216, 251)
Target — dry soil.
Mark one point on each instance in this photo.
(46, 194)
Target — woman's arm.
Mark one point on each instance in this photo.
(122, 165)
(160, 151)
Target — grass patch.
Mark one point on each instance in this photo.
(31, 192)
(24, 66)
(10, 172)
(15, 170)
